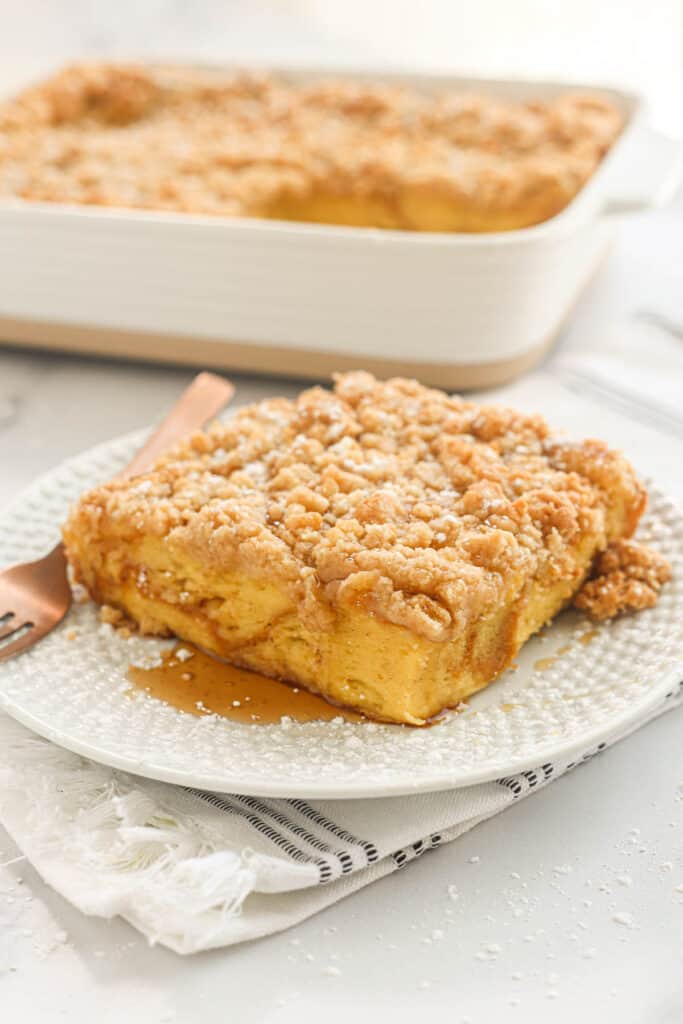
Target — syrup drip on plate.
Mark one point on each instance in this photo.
(543, 663)
(202, 685)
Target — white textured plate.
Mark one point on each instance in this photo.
(72, 690)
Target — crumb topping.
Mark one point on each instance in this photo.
(174, 139)
(115, 618)
(111, 616)
(424, 509)
(627, 577)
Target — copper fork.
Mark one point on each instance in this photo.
(35, 596)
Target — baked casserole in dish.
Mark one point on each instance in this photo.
(333, 152)
(140, 210)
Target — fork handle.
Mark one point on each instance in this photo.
(44, 582)
(201, 401)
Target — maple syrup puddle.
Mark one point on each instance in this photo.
(543, 663)
(202, 685)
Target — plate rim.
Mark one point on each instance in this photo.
(352, 790)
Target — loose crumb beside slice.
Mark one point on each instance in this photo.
(627, 577)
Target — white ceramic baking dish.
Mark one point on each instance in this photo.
(458, 310)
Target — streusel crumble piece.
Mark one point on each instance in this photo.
(627, 577)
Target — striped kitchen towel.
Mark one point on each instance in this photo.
(194, 870)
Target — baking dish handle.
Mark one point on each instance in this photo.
(648, 174)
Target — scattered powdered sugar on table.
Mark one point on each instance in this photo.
(325, 949)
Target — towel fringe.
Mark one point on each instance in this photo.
(133, 853)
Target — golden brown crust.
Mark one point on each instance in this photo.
(240, 145)
(425, 510)
(627, 577)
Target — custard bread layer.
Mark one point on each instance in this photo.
(383, 544)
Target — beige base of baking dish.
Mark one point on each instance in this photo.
(266, 359)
